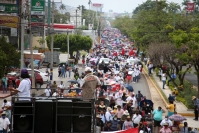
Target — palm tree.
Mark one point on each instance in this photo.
(62, 7)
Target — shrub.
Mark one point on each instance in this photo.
(185, 96)
(156, 71)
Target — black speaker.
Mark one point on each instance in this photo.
(64, 111)
(44, 116)
(23, 116)
(82, 114)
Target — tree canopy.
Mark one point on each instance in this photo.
(167, 32)
(76, 42)
(9, 57)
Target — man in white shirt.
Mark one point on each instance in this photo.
(166, 120)
(24, 87)
(4, 123)
(133, 98)
(6, 103)
(61, 86)
(108, 115)
(47, 92)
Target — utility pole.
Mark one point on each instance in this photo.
(156, 5)
(76, 19)
(22, 35)
(52, 39)
(31, 48)
(68, 44)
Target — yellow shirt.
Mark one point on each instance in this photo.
(171, 107)
(115, 110)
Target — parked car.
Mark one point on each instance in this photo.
(44, 75)
(38, 79)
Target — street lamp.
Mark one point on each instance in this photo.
(68, 43)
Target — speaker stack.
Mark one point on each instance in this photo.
(53, 116)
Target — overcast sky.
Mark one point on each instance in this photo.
(118, 6)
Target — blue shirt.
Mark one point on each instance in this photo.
(157, 115)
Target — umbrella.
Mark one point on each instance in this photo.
(92, 59)
(116, 72)
(73, 81)
(130, 72)
(129, 87)
(146, 101)
(90, 65)
(177, 117)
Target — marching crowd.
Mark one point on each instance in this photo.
(112, 67)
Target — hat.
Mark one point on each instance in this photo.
(193, 97)
(166, 124)
(98, 116)
(126, 112)
(109, 109)
(75, 86)
(102, 106)
(88, 69)
(115, 106)
(24, 71)
(128, 117)
(3, 113)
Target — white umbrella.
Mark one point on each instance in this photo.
(130, 72)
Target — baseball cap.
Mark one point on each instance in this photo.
(24, 71)
(88, 69)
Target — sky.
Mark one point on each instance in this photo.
(118, 6)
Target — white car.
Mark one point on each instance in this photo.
(132, 61)
(106, 60)
(44, 75)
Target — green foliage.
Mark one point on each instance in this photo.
(9, 56)
(76, 42)
(185, 96)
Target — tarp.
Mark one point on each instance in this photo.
(132, 130)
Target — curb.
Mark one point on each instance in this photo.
(165, 102)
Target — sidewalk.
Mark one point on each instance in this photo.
(159, 100)
(180, 107)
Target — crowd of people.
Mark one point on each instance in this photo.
(111, 69)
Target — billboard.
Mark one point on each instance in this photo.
(38, 7)
(9, 21)
(9, 8)
(190, 6)
(97, 6)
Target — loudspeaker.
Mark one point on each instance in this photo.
(44, 116)
(82, 116)
(64, 111)
(23, 116)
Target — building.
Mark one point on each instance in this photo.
(9, 21)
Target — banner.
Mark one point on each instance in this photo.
(38, 7)
(9, 8)
(9, 21)
(132, 130)
(190, 6)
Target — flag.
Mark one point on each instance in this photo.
(123, 52)
(132, 130)
(131, 53)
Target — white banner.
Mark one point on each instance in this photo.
(13, 31)
(90, 26)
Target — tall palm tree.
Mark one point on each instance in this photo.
(62, 7)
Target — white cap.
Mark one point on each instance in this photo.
(88, 69)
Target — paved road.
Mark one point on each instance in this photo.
(192, 78)
(142, 86)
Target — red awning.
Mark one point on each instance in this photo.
(57, 26)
